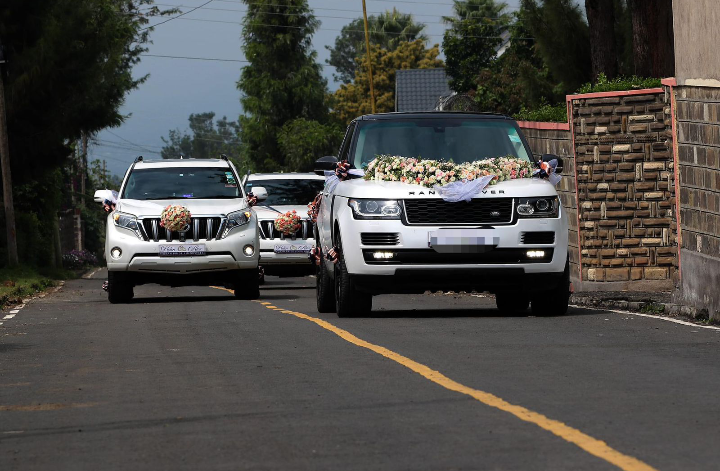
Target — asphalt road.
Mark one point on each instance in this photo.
(190, 378)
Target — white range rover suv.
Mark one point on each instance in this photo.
(219, 246)
(511, 239)
(277, 194)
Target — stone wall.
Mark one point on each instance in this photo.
(625, 179)
(698, 140)
(555, 138)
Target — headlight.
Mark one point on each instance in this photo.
(127, 221)
(548, 207)
(375, 209)
(235, 220)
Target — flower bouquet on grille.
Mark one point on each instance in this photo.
(288, 223)
(175, 218)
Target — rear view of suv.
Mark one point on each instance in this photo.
(218, 245)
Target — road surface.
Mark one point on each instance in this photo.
(192, 379)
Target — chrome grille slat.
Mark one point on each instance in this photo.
(196, 229)
(155, 231)
(168, 235)
(268, 231)
(208, 235)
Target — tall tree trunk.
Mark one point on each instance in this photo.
(601, 19)
(663, 50)
(642, 26)
(653, 40)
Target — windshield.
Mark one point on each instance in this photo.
(181, 182)
(455, 140)
(297, 192)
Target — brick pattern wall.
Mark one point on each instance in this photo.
(698, 135)
(559, 142)
(625, 176)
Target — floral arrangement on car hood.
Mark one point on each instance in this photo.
(434, 173)
(175, 217)
(288, 223)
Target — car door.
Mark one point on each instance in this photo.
(325, 219)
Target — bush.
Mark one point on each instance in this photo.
(78, 259)
(603, 84)
(553, 113)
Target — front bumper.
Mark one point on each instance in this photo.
(143, 256)
(415, 262)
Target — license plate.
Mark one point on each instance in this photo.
(292, 248)
(182, 250)
(463, 240)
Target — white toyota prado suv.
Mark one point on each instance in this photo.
(278, 193)
(219, 246)
(511, 239)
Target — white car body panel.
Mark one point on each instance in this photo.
(223, 254)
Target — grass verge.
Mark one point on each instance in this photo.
(20, 282)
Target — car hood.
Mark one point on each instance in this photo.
(272, 212)
(359, 188)
(199, 207)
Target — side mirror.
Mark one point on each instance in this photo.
(549, 157)
(322, 164)
(260, 193)
(105, 195)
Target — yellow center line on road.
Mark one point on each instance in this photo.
(591, 445)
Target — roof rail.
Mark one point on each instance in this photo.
(224, 157)
(139, 158)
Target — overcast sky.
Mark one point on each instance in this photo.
(178, 87)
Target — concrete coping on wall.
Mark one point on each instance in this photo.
(617, 93)
(548, 126)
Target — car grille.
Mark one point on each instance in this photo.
(268, 231)
(435, 211)
(201, 228)
(537, 238)
(379, 238)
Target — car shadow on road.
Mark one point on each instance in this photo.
(181, 299)
(470, 312)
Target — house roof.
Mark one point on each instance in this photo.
(420, 89)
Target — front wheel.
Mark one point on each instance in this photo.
(120, 290)
(324, 289)
(246, 284)
(349, 302)
(554, 302)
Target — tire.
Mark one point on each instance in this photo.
(349, 302)
(120, 290)
(324, 289)
(246, 284)
(554, 302)
(511, 303)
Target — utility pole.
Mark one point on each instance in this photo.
(367, 48)
(6, 177)
(104, 175)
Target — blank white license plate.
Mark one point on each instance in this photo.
(182, 250)
(463, 240)
(293, 248)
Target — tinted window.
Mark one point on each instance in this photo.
(288, 191)
(181, 182)
(454, 140)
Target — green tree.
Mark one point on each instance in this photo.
(208, 139)
(352, 100)
(386, 30)
(562, 39)
(283, 80)
(303, 142)
(471, 41)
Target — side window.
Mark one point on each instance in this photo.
(345, 146)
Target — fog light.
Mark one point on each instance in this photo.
(249, 250)
(383, 255)
(535, 253)
(116, 253)
(525, 209)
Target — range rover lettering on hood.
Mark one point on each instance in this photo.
(432, 192)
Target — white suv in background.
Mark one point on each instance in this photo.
(277, 194)
(219, 246)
